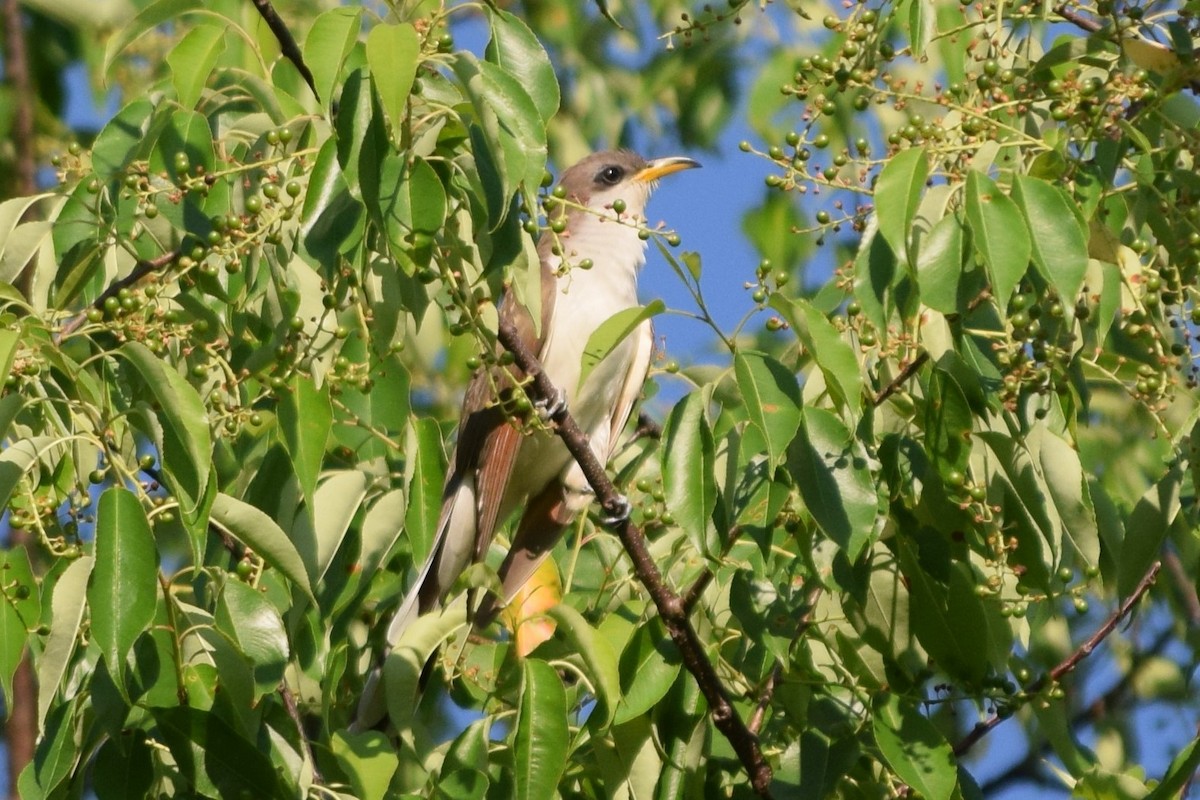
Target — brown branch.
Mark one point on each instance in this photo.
(139, 271)
(20, 730)
(1069, 663)
(901, 378)
(1078, 20)
(647, 427)
(670, 607)
(287, 43)
(16, 70)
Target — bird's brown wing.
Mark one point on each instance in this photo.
(488, 441)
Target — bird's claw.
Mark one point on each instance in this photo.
(625, 508)
(549, 409)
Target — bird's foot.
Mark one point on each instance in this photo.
(549, 409)
(624, 509)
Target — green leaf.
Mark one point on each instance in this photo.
(898, 194)
(123, 768)
(612, 332)
(831, 472)
(329, 41)
(515, 49)
(412, 200)
(511, 146)
(922, 24)
(203, 744)
(184, 445)
(540, 748)
(1180, 773)
(67, 603)
(192, 61)
(333, 217)
(689, 461)
(9, 339)
(948, 423)
(1067, 485)
(404, 664)
(393, 53)
(1032, 518)
(369, 760)
(305, 420)
(147, 19)
(940, 265)
(319, 534)
(599, 660)
(833, 354)
(57, 750)
(124, 587)
(247, 617)
(15, 459)
(424, 469)
(913, 747)
(382, 525)
(999, 233)
(261, 534)
(649, 664)
(1147, 528)
(1058, 237)
(772, 396)
(947, 618)
(20, 613)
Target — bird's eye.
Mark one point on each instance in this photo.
(611, 175)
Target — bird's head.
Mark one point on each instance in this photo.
(601, 179)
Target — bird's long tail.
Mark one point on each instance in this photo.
(451, 553)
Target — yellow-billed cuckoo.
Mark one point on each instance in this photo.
(589, 273)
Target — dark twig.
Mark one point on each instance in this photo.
(1078, 20)
(647, 427)
(911, 367)
(289, 703)
(670, 606)
(901, 378)
(1113, 695)
(1184, 586)
(287, 44)
(768, 691)
(139, 271)
(1068, 664)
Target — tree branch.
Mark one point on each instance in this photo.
(139, 271)
(287, 44)
(1068, 664)
(670, 606)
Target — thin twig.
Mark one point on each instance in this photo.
(289, 703)
(768, 692)
(1184, 585)
(647, 427)
(1068, 664)
(670, 606)
(287, 44)
(911, 367)
(140, 270)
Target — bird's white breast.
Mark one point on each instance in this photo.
(586, 299)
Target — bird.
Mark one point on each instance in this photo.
(589, 271)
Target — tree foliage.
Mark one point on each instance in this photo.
(913, 495)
